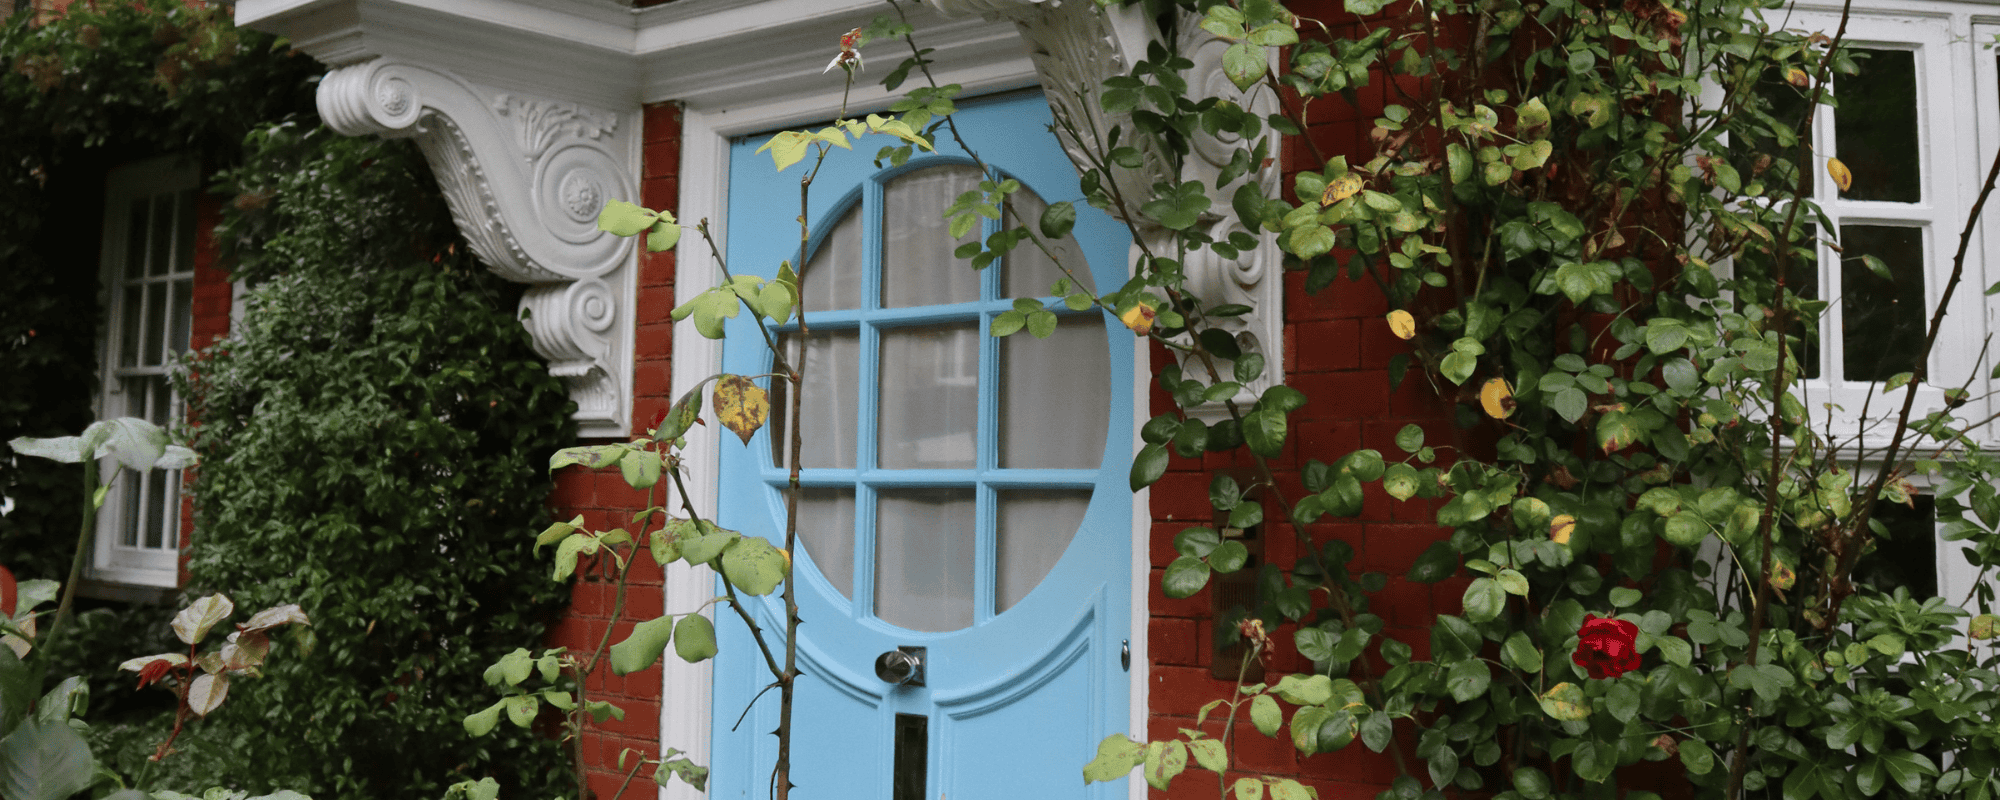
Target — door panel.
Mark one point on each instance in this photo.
(964, 495)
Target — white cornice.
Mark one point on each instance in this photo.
(698, 52)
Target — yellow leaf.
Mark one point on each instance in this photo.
(741, 405)
(1561, 527)
(1797, 77)
(1340, 189)
(1139, 318)
(1841, 177)
(1402, 324)
(787, 147)
(1782, 576)
(1497, 398)
(1565, 702)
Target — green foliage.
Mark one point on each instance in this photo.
(1640, 458)
(370, 438)
(101, 85)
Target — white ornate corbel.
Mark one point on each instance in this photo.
(1075, 45)
(525, 177)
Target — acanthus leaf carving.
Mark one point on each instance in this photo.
(527, 204)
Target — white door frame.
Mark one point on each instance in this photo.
(685, 693)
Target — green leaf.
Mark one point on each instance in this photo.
(1209, 754)
(1484, 600)
(521, 709)
(1116, 756)
(694, 638)
(1184, 576)
(1410, 439)
(641, 469)
(1467, 679)
(1264, 713)
(482, 723)
(1522, 653)
(753, 566)
(1437, 563)
(663, 236)
(1244, 63)
(1696, 756)
(1164, 760)
(1264, 431)
(1148, 466)
(1058, 219)
(44, 761)
(620, 218)
(642, 648)
(1400, 481)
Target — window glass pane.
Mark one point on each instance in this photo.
(1882, 329)
(1029, 272)
(180, 315)
(133, 318)
(154, 325)
(1053, 397)
(832, 390)
(923, 558)
(156, 508)
(833, 279)
(918, 267)
(1034, 528)
(128, 533)
(1907, 556)
(135, 240)
(160, 234)
(930, 397)
(826, 528)
(1875, 127)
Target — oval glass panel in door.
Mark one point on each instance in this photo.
(965, 463)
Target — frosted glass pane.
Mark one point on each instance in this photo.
(1034, 529)
(918, 268)
(930, 397)
(1054, 399)
(923, 559)
(832, 394)
(1028, 271)
(826, 529)
(833, 274)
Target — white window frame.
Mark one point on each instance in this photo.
(114, 560)
(1956, 130)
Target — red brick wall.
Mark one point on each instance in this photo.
(1336, 350)
(606, 502)
(212, 296)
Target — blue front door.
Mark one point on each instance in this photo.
(964, 495)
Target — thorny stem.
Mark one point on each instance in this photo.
(1779, 323)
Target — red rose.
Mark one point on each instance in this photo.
(1606, 648)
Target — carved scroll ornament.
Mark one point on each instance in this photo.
(1075, 45)
(525, 178)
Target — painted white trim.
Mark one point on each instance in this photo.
(1142, 564)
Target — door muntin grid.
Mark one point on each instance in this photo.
(951, 460)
